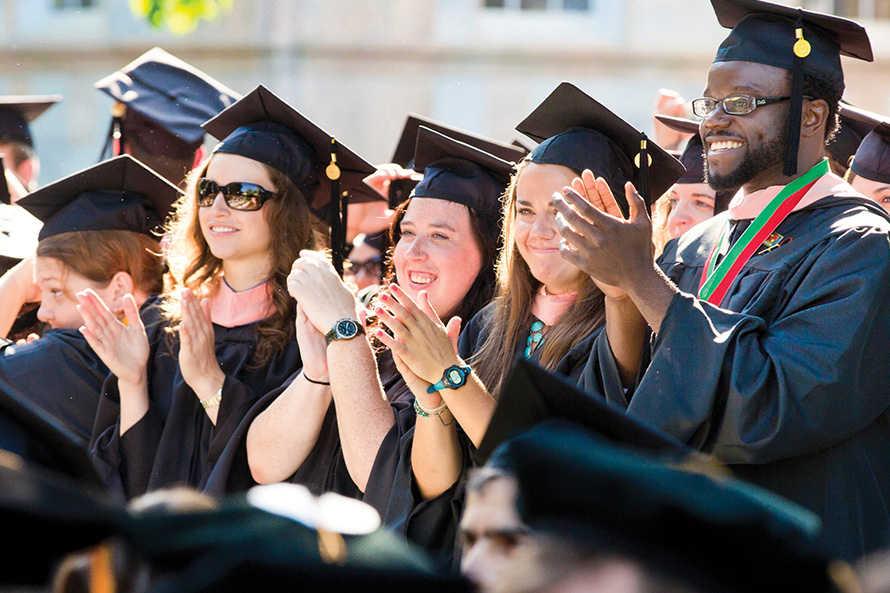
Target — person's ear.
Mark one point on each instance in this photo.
(121, 284)
(814, 117)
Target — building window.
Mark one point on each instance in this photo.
(65, 4)
(853, 9)
(540, 5)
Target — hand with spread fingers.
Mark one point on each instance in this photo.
(122, 347)
(321, 293)
(596, 235)
(197, 352)
(420, 340)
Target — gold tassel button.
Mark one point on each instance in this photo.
(801, 46)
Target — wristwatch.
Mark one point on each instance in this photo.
(344, 329)
(454, 377)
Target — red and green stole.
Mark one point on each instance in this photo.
(716, 279)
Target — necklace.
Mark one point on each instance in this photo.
(535, 338)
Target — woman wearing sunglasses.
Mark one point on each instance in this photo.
(224, 334)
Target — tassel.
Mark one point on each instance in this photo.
(644, 159)
(338, 231)
(801, 51)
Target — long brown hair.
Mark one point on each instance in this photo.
(193, 266)
(512, 316)
(99, 255)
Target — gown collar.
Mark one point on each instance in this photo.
(748, 206)
(231, 309)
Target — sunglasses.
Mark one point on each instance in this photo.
(732, 105)
(238, 195)
(373, 266)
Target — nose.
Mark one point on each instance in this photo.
(417, 248)
(219, 206)
(475, 566)
(45, 312)
(717, 119)
(545, 225)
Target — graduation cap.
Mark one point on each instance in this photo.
(693, 157)
(264, 128)
(702, 530)
(872, 158)
(458, 172)
(278, 535)
(166, 102)
(17, 111)
(118, 194)
(848, 136)
(794, 39)
(533, 394)
(405, 149)
(46, 515)
(578, 132)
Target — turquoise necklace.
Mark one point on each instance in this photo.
(535, 338)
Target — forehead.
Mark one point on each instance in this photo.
(689, 190)
(492, 508)
(726, 78)
(538, 182)
(433, 211)
(46, 267)
(227, 168)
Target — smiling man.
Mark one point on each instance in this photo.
(771, 320)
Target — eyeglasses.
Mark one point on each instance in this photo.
(238, 196)
(373, 266)
(732, 105)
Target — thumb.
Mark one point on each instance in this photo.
(453, 331)
(635, 203)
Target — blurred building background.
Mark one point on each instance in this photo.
(357, 67)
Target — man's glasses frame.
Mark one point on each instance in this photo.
(733, 104)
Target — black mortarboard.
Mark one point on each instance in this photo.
(533, 395)
(872, 158)
(458, 172)
(276, 536)
(578, 132)
(702, 530)
(801, 41)
(693, 157)
(118, 194)
(46, 516)
(17, 111)
(176, 96)
(848, 136)
(405, 149)
(264, 128)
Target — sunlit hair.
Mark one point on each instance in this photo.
(512, 316)
(99, 255)
(193, 266)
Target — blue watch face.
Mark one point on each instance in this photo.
(347, 328)
(455, 376)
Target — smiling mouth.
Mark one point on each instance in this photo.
(222, 229)
(420, 278)
(722, 145)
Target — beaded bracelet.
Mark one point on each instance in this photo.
(424, 413)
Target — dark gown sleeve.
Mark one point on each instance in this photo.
(324, 469)
(772, 390)
(59, 373)
(175, 443)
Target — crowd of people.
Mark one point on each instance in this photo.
(588, 361)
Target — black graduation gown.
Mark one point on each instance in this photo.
(59, 373)
(433, 524)
(324, 469)
(175, 443)
(787, 381)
